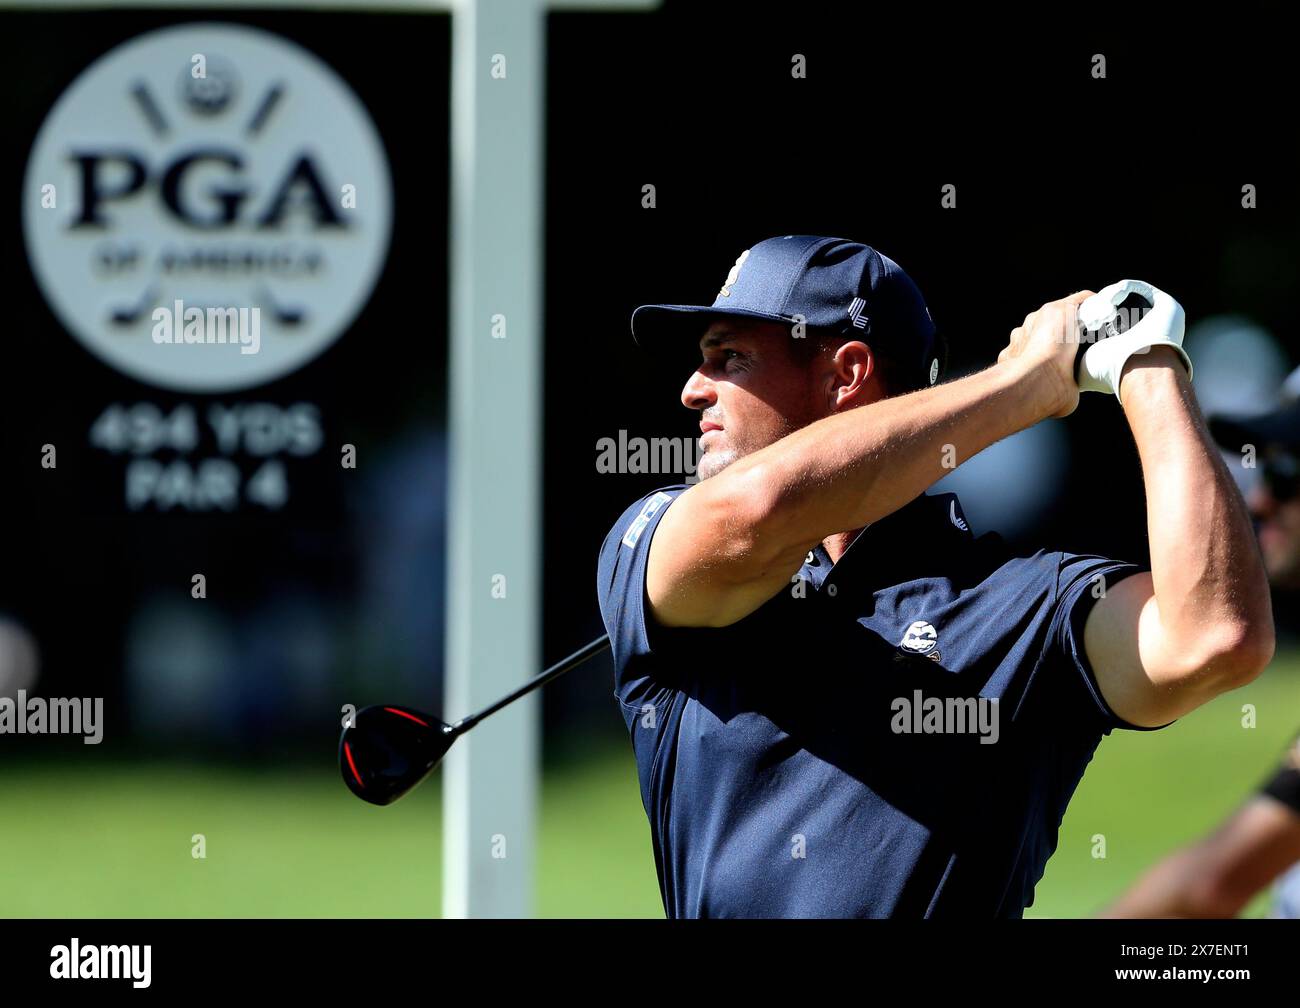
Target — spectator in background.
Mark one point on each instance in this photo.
(1217, 875)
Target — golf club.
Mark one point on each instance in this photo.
(388, 750)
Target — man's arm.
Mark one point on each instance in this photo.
(1201, 623)
(1218, 875)
(729, 543)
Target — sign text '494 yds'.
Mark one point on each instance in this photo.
(214, 481)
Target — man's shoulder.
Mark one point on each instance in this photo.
(620, 588)
(636, 517)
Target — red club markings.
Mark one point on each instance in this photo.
(347, 751)
(400, 713)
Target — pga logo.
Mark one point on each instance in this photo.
(920, 640)
(259, 182)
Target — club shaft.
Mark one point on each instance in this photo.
(564, 665)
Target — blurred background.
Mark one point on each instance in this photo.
(222, 716)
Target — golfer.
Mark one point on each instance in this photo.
(842, 701)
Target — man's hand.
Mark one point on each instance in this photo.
(1045, 346)
(1161, 326)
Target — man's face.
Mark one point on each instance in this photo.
(1277, 510)
(751, 390)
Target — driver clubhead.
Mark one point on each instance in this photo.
(389, 750)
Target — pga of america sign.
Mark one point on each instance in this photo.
(218, 166)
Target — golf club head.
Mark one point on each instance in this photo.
(389, 750)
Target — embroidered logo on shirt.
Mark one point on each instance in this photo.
(639, 523)
(920, 639)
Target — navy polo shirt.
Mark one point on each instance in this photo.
(894, 735)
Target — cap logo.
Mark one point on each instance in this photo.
(934, 370)
(857, 313)
(734, 275)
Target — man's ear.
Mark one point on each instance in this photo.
(855, 377)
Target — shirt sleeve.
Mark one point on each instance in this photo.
(1081, 581)
(620, 588)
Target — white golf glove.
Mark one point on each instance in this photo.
(1099, 367)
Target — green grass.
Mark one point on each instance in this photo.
(115, 841)
(110, 840)
(1148, 792)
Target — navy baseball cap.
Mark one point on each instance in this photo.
(831, 285)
